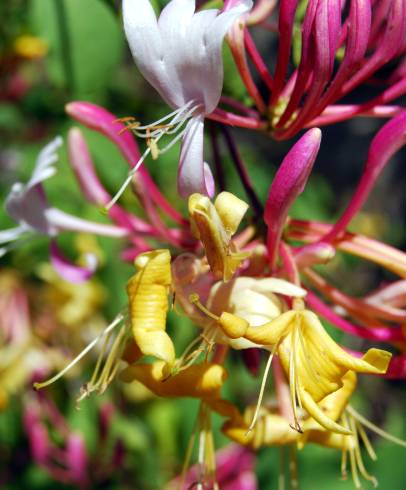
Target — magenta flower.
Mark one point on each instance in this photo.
(359, 40)
(234, 471)
(180, 56)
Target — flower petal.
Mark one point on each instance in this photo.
(213, 63)
(69, 271)
(12, 234)
(288, 184)
(46, 158)
(27, 206)
(144, 38)
(191, 176)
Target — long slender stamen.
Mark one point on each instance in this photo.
(153, 137)
(262, 389)
(130, 175)
(100, 382)
(366, 441)
(156, 128)
(374, 427)
(173, 142)
(168, 116)
(358, 456)
(344, 461)
(87, 349)
(351, 452)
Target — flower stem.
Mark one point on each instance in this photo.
(242, 172)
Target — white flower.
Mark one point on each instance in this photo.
(28, 206)
(180, 56)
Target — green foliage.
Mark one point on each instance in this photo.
(84, 54)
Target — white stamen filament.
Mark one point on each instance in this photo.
(375, 428)
(180, 117)
(105, 332)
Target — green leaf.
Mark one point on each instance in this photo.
(85, 40)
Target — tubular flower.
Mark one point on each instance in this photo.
(254, 300)
(202, 381)
(180, 56)
(314, 363)
(215, 224)
(148, 304)
(273, 429)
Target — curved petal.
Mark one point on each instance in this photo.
(76, 458)
(186, 58)
(213, 40)
(144, 38)
(12, 234)
(69, 271)
(46, 158)
(27, 206)
(209, 180)
(180, 55)
(191, 172)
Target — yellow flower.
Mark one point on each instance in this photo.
(313, 362)
(148, 293)
(202, 381)
(215, 224)
(30, 47)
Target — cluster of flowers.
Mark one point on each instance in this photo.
(252, 289)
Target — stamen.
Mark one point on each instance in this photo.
(294, 478)
(375, 428)
(153, 133)
(185, 361)
(168, 116)
(130, 175)
(293, 380)
(367, 443)
(111, 327)
(173, 142)
(262, 389)
(344, 461)
(358, 456)
(281, 475)
(195, 299)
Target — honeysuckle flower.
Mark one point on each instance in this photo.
(215, 224)
(234, 471)
(28, 206)
(304, 93)
(287, 185)
(202, 381)
(148, 293)
(180, 56)
(255, 300)
(62, 453)
(273, 429)
(313, 362)
(141, 325)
